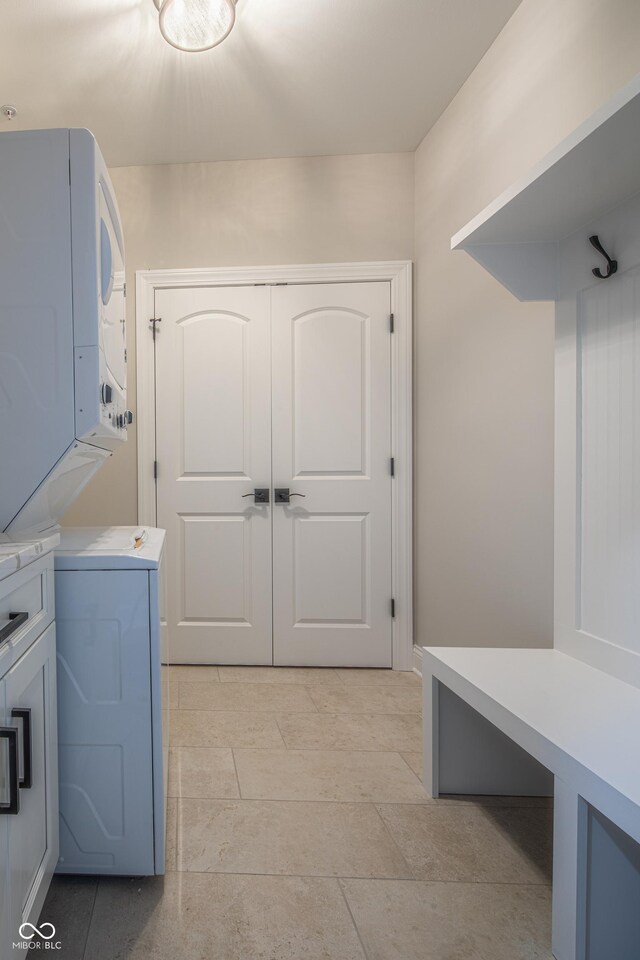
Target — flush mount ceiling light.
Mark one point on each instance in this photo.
(195, 25)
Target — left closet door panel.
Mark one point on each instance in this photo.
(213, 442)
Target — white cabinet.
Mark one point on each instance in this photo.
(30, 695)
(105, 745)
(4, 831)
(28, 751)
(112, 747)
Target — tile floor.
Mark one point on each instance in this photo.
(298, 829)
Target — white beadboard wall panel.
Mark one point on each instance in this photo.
(609, 487)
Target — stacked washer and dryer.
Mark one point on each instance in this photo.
(62, 414)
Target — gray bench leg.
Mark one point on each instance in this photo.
(465, 754)
(569, 873)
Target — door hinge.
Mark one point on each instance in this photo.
(155, 469)
(392, 466)
(153, 321)
(124, 289)
(393, 608)
(392, 323)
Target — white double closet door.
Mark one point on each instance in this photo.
(276, 387)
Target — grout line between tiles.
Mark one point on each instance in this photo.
(305, 713)
(308, 690)
(93, 907)
(393, 803)
(402, 754)
(334, 749)
(409, 803)
(310, 695)
(393, 840)
(333, 876)
(427, 802)
(353, 919)
(235, 767)
(275, 720)
(302, 713)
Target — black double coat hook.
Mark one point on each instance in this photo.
(612, 265)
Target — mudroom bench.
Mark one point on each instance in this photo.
(543, 723)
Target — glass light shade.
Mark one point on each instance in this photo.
(194, 25)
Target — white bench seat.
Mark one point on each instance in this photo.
(580, 723)
(509, 721)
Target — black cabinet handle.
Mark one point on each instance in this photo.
(10, 734)
(24, 714)
(15, 622)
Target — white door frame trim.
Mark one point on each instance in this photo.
(399, 275)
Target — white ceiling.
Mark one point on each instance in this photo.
(295, 78)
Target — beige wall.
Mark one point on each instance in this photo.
(308, 210)
(484, 362)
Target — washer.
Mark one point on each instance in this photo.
(112, 700)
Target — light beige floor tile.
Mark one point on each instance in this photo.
(202, 917)
(278, 675)
(217, 728)
(338, 775)
(451, 921)
(473, 843)
(273, 837)
(360, 698)
(193, 674)
(373, 677)
(325, 731)
(260, 697)
(68, 906)
(202, 772)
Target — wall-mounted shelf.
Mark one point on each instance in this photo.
(592, 171)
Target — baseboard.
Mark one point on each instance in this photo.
(417, 660)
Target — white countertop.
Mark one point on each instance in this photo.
(17, 552)
(109, 548)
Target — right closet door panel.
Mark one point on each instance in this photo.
(331, 448)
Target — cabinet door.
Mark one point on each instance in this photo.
(104, 715)
(30, 704)
(6, 933)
